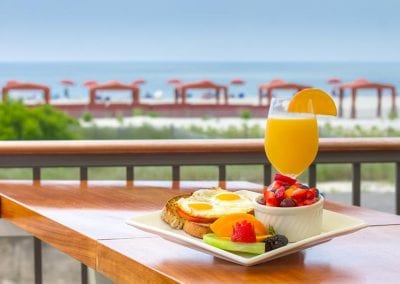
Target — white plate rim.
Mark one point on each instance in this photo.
(146, 222)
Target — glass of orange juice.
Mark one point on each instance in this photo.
(291, 138)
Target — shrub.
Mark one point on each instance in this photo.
(19, 122)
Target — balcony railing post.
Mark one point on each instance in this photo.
(267, 174)
(37, 256)
(312, 175)
(222, 176)
(397, 188)
(356, 184)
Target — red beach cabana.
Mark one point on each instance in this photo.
(365, 84)
(181, 90)
(114, 86)
(15, 85)
(277, 84)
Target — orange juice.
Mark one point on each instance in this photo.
(291, 143)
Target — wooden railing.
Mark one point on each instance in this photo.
(177, 153)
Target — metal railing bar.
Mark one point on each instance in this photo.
(176, 176)
(37, 256)
(36, 173)
(84, 274)
(397, 188)
(168, 159)
(267, 174)
(130, 175)
(222, 176)
(356, 184)
(312, 175)
(83, 173)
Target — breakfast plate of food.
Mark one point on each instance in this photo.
(231, 224)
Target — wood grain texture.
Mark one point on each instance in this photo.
(371, 255)
(87, 221)
(184, 146)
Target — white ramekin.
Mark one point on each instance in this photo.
(296, 223)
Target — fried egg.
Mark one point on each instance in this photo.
(213, 203)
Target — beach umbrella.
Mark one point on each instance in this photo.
(334, 80)
(89, 83)
(11, 82)
(174, 81)
(237, 81)
(67, 82)
(139, 82)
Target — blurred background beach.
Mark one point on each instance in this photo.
(156, 74)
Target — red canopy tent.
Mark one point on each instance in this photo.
(365, 84)
(181, 90)
(277, 84)
(114, 86)
(14, 85)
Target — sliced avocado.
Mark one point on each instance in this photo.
(254, 248)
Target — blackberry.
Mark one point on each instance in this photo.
(275, 242)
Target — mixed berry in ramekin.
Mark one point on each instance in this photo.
(292, 208)
(287, 192)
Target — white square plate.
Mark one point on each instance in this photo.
(333, 225)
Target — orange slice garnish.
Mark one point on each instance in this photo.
(223, 226)
(322, 103)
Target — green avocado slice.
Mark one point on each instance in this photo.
(253, 248)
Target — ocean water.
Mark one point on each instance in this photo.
(157, 73)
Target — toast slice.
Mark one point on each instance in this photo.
(169, 214)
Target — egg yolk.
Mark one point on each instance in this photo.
(228, 197)
(200, 206)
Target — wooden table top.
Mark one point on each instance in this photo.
(88, 223)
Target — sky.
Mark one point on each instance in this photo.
(199, 30)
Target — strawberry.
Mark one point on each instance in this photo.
(284, 179)
(270, 198)
(299, 195)
(280, 194)
(310, 201)
(315, 192)
(310, 194)
(243, 232)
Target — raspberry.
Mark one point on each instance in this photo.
(243, 232)
(284, 179)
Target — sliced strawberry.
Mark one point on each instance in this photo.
(243, 232)
(310, 201)
(299, 195)
(280, 194)
(310, 194)
(284, 179)
(270, 199)
(315, 191)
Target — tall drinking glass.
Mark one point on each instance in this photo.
(291, 138)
